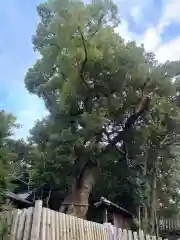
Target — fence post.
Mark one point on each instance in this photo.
(36, 222)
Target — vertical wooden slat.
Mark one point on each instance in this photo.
(11, 217)
(135, 235)
(22, 220)
(148, 237)
(15, 224)
(35, 231)
(92, 231)
(101, 231)
(141, 235)
(130, 235)
(71, 230)
(90, 237)
(109, 230)
(48, 224)
(57, 225)
(85, 230)
(119, 233)
(62, 226)
(96, 231)
(43, 225)
(52, 225)
(77, 233)
(124, 234)
(28, 223)
(67, 227)
(81, 225)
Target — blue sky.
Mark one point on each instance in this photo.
(156, 23)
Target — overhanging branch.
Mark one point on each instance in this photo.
(141, 109)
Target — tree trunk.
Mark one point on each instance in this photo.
(76, 202)
(153, 199)
(146, 203)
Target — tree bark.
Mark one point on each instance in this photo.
(146, 203)
(153, 199)
(76, 202)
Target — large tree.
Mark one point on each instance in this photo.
(103, 94)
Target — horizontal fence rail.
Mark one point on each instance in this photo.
(40, 223)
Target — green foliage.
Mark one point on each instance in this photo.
(5, 227)
(7, 124)
(92, 82)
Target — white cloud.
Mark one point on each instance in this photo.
(151, 39)
(124, 32)
(171, 12)
(169, 51)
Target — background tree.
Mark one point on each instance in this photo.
(7, 125)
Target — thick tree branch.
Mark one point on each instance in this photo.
(142, 108)
(81, 72)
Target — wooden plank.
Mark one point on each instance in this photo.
(48, 224)
(35, 231)
(130, 235)
(86, 233)
(99, 231)
(22, 220)
(52, 224)
(67, 227)
(92, 227)
(57, 225)
(90, 231)
(28, 223)
(72, 232)
(15, 224)
(148, 237)
(77, 229)
(101, 228)
(153, 237)
(82, 226)
(63, 227)
(124, 234)
(105, 232)
(60, 226)
(119, 233)
(70, 221)
(43, 225)
(11, 214)
(135, 235)
(109, 230)
(95, 229)
(141, 235)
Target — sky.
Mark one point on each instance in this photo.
(156, 23)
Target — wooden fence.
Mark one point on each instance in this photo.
(40, 223)
(169, 225)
